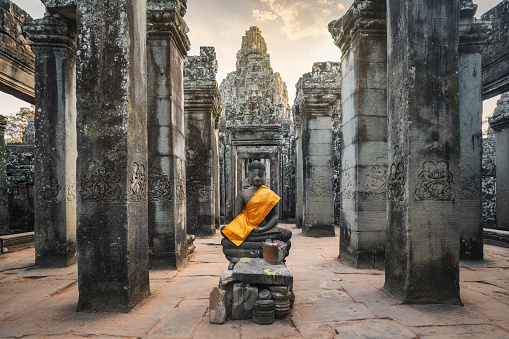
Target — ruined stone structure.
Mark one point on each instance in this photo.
(54, 43)
(489, 191)
(16, 56)
(258, 121)
(496, 54)
(318, 93)
(361, 35)
(500, 124)
(473, 35)
(422, 250)
(4, 202)
(167, 46)
(202, 112)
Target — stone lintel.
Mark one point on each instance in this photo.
(165, 19)
(52, 31)
(364, 19)
(205, 99)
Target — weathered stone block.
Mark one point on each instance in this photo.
(257, 271)
(217, 306)
(244, 299)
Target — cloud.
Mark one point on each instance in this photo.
(300, 19)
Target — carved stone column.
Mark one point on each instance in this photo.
(112, 232)
(500, 124)
(316, 93)
(472, 40)
(4, 201)
(202, 109)
(299, 183)
(361, 34)
(167, 45)
(54, 45)
(423, 208)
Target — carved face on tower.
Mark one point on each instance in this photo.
(256, 175)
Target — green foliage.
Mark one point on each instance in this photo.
(16, 124)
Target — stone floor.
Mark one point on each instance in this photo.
(331, 300)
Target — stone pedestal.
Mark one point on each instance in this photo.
(202, 108)
(472, 39)
(4, 201)
(54, 44)
(112, 230)
(422, 249)
(167, 45)
(500, 124)
(361, 34)
(316, 94)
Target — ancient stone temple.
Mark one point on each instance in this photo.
(203, 109)
(316, 104)
(257, 122)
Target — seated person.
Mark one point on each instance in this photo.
(256, 215)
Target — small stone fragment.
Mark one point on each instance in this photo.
(244, 299)
(279, 289)
(225, 278)
(217, 309)
(264, 294)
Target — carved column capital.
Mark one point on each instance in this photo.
(52, 31)
(166, 19)
(473, 33)
(500, 119)
(366, 18)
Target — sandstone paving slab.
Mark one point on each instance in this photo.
(325, 284)
(203, 271)
(14, 307)
(503, 325)
(483, 274)
(429, 315)
(364, 292)
(492, 262)
(157, 304)
(194, 281)
(194, 303)
(492, 291)
(317, 330)
(461, 331)
(106, 323)
(210, 258)
(341, 268)
(485, 305)
(373, 329)
(228, 330)
(180, 323)
(321, 297)
(281, 328)
(162, 274)
(329, 313)
(202, 291)
(310, 273)
(502, 283)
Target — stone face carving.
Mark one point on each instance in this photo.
(254, 94)
(100, 182)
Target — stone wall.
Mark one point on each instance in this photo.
(489, 181)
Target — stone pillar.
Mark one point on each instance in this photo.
(500, 124)
(216, 177)
(167, 45)
(316, 94)
(54, 44)
(202, 108)
(4, 201)
(112, 230)
(299, 208)
(361, 35)
(423, 208)
(472, 39)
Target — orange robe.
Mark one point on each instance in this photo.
(254, 213)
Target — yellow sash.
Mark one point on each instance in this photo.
(254, 212)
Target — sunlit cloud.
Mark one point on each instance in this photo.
(300, 19)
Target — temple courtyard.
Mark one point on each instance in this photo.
(332, 299)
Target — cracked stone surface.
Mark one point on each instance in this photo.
(332, 300)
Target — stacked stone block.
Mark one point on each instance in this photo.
(361, 35)
(317, 92)
(167, 45)
(202, 112)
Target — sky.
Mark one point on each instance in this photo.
(296, 33)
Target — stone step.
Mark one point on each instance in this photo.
(16, 242)
(496, 237)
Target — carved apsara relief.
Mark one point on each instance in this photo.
(396, 182)
(435, 182)
(48, 188)
(100, 182)
(159, 187)
(180, 189)
(374, 186)
(347, 187)
(138, 183)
